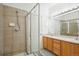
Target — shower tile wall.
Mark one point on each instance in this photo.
(14, 42)
(1, 30)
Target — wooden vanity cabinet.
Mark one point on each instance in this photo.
(60, 47)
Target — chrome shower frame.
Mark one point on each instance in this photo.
(37, 4)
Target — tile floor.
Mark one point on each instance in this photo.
(46, 53)
(41, 53)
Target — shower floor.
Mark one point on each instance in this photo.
(42, 53)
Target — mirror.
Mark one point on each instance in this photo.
(69, 27)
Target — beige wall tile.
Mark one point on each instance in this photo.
(1, 30)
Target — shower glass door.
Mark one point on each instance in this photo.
(33, 31)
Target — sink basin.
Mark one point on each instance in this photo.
(65, 38)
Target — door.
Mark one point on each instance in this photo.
(75, 50)
(33, 31)
(56, 46)
(66, 48)
(50, 44)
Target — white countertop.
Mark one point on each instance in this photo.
(65, 38)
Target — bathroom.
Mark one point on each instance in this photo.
(39, 29)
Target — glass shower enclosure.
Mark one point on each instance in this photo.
(32, 29)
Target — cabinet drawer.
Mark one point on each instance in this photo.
(56, 51)
(50, 44)
(56, 41)
(56, 44)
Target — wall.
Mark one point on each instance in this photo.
(54, 27)
(44, 19)
(14, 40)
(1, 30)
(11, 41)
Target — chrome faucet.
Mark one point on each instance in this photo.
(77, 37)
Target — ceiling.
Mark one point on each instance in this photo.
(23, 6)
(45, 8)
(61, 7)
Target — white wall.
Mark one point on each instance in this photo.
(54, 26)
(44, 19)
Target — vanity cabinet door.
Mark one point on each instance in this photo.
(76, 50)
(56, 46)
(50, 44)
(45, 42)
(66, 48)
